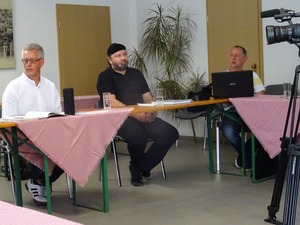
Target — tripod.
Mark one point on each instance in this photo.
(289, 164)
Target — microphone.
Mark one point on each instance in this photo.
(270, 13)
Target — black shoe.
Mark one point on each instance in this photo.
(239, 165)
(136, 176)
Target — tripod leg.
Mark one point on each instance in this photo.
(290, 204)
(278, 187)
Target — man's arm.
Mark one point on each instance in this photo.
(150, 117)
(115, 103)
(260, 93)
(147, 97)
(9, 103)
(143, 117)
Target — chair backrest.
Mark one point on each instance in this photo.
(274, 89)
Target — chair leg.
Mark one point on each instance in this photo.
(8, 153)
(163, 169)
(195, 138)
(113, 146)
(12, 178)
(205, 133)
(218, 146)
(70, 186)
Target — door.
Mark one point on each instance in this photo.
(230, 23)
(83, 37)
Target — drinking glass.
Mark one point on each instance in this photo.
(106, 100)
(286, 90)
(159, 95)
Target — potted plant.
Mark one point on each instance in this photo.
(166, 43)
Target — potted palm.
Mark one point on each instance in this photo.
(166, 43)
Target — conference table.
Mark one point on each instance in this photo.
(14, 215)
(265, 115)
(75, 143)
(66, 140)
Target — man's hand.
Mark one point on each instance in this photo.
(146, 117)
(150, 116)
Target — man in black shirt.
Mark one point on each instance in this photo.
(128, 87)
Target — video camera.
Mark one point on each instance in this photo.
(289, 33)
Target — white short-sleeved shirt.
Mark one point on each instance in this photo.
(21, 95)
(257, 83)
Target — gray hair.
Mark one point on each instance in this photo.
(34, 46)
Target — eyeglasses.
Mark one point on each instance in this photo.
(32, 61)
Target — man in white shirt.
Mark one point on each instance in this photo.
(32, 92)
(231, 129)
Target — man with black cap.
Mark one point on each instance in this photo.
(128, 87)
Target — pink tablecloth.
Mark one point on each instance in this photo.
(265, 115)
(15, 215)
(75, 143)
(83, 101)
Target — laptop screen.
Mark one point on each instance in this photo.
(233, 84)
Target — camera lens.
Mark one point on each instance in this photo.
(270, 32)
(276, 34)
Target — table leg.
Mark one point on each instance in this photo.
(243, 150)
(209, 139)
(47, 181)
(253, 158)
(105, 183)
(17, 171)
(105, 207)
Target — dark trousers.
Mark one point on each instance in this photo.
(37, 173)
(136, 134)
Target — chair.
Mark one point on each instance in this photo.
(7, 151)
(185, 114)
(274, 89)
(195, 112)
(115, 153)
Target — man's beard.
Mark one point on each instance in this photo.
(120, 67)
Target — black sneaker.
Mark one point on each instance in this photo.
(146, 175)
(136, 176)
(240, 166)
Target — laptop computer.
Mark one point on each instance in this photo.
(233, 84)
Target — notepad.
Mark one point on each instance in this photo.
(32, 115)
(167, 102)
(40, 115)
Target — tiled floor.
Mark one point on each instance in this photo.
(190, 195)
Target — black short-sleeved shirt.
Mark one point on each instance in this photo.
(127, 88)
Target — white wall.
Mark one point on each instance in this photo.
(35, 21)
(281, 59)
